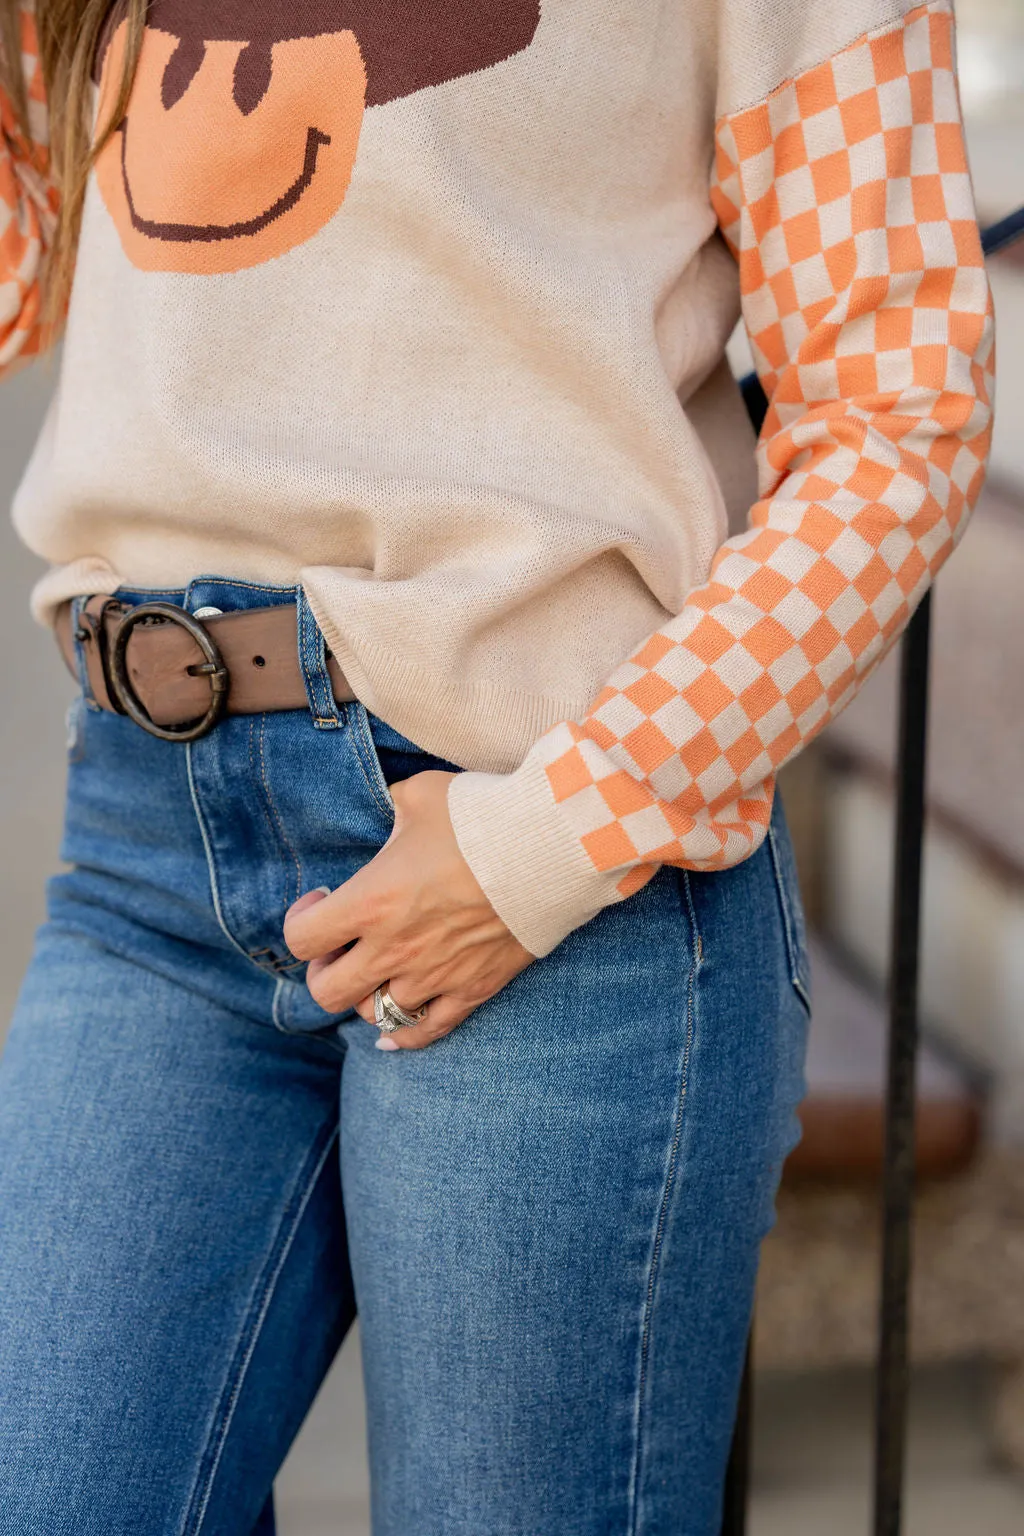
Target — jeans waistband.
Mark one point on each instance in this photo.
(208, 597)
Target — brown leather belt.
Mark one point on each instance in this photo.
(175, 675)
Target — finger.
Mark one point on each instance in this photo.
(418, 788)
(311, 899)
(366, 1007)
(407, 995)
(341, 982)
(320, 921)
(320, 964)
(443, 1015)
(399, 792)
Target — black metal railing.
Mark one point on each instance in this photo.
(893, 1364)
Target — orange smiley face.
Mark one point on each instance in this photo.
(242, 128)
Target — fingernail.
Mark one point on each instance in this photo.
(385, 1043)
(325, 888)
(306, 901)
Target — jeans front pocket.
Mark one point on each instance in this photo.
(787, 883)
(369, 762)
(387, 757)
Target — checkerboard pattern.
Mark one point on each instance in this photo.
(28, 208)
(846, 199)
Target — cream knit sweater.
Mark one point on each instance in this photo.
(423, 307)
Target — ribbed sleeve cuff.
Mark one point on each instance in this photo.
(519, 845)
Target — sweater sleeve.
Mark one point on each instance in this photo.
(28, 210)
(846, 200)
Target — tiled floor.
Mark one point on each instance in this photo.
(811, 1472)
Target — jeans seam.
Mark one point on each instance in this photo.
(248, 1337)
(278, 1017)
(650, 1293)
(211, 858)
(792, 946)
(220, 581)
(276, 818)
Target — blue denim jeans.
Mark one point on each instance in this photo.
(548, 1222)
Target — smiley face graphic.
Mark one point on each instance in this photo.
(244, 119)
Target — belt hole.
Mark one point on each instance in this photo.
(259, 661)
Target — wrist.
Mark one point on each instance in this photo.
(525, 855)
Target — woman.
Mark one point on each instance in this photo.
(393, 369)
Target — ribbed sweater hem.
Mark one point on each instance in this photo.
(477, 725)
(531, 866)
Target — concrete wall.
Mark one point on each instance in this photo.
(34, 694)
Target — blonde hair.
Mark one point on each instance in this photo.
(69, 33)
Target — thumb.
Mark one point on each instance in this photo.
(395, 790)
(399, 792)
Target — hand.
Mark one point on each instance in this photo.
(415, 919)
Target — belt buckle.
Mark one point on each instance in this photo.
(122, 690)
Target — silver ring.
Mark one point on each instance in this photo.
(389, 1015)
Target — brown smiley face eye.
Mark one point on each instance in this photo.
(252, 77)
(249, 161)
(182, 67)
(244, 122)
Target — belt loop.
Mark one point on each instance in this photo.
(81, 658)
(313, 660)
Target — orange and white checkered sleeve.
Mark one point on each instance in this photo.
(846, 199)
(28, 210)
